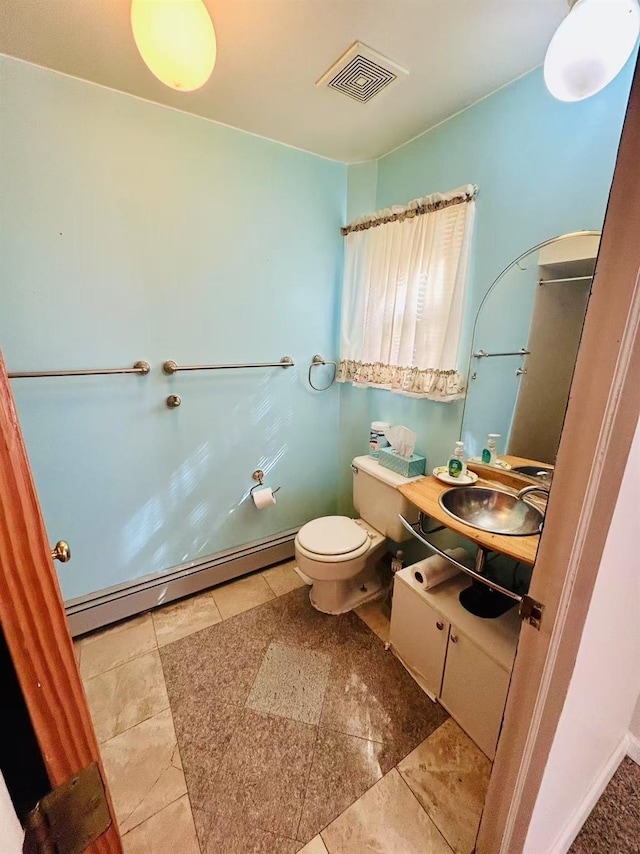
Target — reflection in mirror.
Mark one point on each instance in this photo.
(523, 351)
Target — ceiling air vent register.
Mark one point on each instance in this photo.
(361, 73)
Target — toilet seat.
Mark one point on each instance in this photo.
(332, 535)
(333, 539)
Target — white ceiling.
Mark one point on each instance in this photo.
(271, 52)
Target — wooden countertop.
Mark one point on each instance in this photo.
(523, 461)
(424, 494)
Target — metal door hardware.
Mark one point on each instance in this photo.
(61, 551)
(531, 611)
(70, 818)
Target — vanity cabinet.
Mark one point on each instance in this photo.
(474, 691)
(461, 660)
(422, 651)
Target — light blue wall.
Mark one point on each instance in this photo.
(543, 168)
(362, 184)
(132, 231)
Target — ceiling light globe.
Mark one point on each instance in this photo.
(176, 39)
(590, 47)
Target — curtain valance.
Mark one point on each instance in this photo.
(427, 204)
(403, 296)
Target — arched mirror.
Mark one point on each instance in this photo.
(524, 346)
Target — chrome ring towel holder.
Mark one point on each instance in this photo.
(315, 362)
(259, 476)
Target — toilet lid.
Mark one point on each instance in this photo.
(332, 535)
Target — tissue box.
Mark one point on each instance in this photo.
(408, 467)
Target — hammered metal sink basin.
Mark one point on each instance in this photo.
(491, 510)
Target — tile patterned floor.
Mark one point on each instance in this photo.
(242, 720)
(614, 823)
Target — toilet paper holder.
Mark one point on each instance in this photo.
(259, 476)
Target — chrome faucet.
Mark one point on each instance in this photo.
(533, 488)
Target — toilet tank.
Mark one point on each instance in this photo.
(377, 500)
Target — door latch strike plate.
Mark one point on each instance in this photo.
(71, 817)
(531, 611)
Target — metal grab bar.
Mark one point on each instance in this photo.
(481, 354)
(141, 368)
(476, 575)
(170, 367)
(569, 279)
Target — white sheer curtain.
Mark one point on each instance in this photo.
(403, 296)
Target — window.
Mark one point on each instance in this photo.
(405, 279)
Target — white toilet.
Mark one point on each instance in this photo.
(338, 554)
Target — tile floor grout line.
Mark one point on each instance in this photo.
(122, 664)
(181, 769)
(167, 708)
(222, 618)
(313, 754)
(131, 812)
(425, 808)
(175, 602)
(224, 754)
(324, 842)
(433, 732)
(361, 737)
(242, 708)
(191, 807)
(360, 617)
(256, 574)
(277, 595)
(151, 611)
(368, 789)
(394, 767)
(153, 815)
(306, 784)
(413, 795)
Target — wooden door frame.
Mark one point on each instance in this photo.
(600, 423)
(34, 623)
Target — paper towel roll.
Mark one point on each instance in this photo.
(263, 498)
(435, 570)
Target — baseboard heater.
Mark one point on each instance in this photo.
(134, 597)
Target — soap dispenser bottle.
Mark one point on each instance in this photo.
(457, 465)
(489, 454)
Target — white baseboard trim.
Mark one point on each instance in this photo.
(581, 813)
(633, 748)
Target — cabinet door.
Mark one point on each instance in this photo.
(474, 691)
(419, 637)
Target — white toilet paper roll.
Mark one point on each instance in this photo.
(434, 570)
(263, 497)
